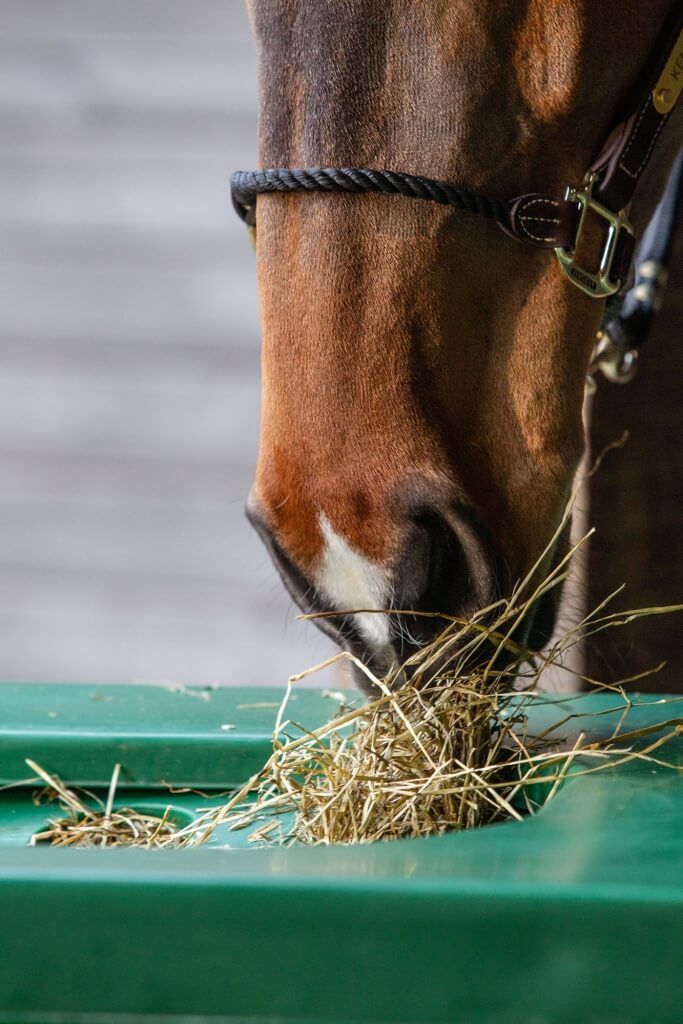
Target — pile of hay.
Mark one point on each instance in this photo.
(444, 747)
(408, 768)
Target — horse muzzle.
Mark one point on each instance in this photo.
(445, 566)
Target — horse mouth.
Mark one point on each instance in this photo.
(398, 659)
(532, 636)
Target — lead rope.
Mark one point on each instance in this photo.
(628, 322)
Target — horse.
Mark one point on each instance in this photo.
(423, 373)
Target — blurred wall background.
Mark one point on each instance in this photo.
(129, 350)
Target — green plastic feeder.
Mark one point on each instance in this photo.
(574, 915)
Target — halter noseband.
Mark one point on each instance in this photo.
(535, 219)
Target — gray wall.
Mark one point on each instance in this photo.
(129, 350)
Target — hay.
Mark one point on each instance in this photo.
(445, 746)
(419, 762)
(105, 826)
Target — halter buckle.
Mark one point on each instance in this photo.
(601, 284)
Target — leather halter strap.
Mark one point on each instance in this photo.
(544, 221)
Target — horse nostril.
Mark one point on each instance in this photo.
(430, 557)
(448, 575)
(447, 567)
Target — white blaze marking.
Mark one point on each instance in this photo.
(349, 580)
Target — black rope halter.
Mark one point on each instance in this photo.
(246, 185)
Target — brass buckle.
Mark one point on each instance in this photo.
(599, 285)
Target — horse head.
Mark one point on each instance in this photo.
(423, 373)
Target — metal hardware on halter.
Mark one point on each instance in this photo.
(629, 321)
(597, 285)
(613, 358)
(650, 284)
(617, 363)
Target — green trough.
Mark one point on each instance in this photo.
(575, 915)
